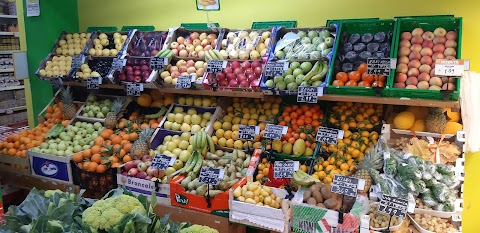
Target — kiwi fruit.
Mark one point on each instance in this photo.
(331, 203)
(321, 205)
(307, 195)
(311, 201)
(318, 196)
(326, 191)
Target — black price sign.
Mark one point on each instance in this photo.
(379, 66)
(134, 89)
(118, 64)
(247, 132)
(328, 135)
(274, 131)
(345, 185)
(185, 82)
(216, 66)
(284, 169)
(162, 162)
(210, 175)
(307, 94)
(158, 63)
(394, 206)
(93, 83)
(273, 69)
(77, 61)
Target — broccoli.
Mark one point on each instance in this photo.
(198, 229)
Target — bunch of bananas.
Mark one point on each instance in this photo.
(303, 179)
(200, 140)
(213, 54)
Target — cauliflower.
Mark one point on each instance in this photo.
(105, 214)
(198, 229)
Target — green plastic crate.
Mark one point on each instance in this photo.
(102, 29)
(360, 26)
(269, 24)
(428, 24)
(140, 28)
(422, 16)
(332, 21)
(197, 26)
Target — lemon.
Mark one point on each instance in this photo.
(228, 134)
(236, 120)
(244, 121)
(215, 139)
(267, 105)
(222, 142)
(235, 135)
(227, 125)
(252, 122)
(230, 143)
(217, 125)
(237, 144)
(219, 133)
(254, 116)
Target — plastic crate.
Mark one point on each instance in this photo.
(139, 28)
(197, 26)
(427, 23)
(332, 21)
(103, 29)
(360, 26)
(269, 24)
(96, 184)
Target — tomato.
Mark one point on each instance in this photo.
(362, 68)
(363, 84)
(355, 76)
(351, 83)
(338, 83)
(378, 84)
(342, 76)
(368, 78)
(380, 78)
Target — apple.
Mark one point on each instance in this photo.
(230, 76)
(424, 68)
(238, 71)
(405, 43)
(233, 83)
(174, 45)
(415, 56)
(450, 52)
(403, 51)
(403, 59)
(450, 44)
(426, 60)
(181, 47)
(256, 64)
(245, 65)
(426, 52)
(451, 35)
(414, 64)
(235, 65)
(427, 44)
(223, 83)
(220, 76)
(413, 72)
(400, 77)
(241, 77)
(249, 71)
(416, 47)
(194, 35)
(258, 70)
(183, 53)
(251, 77)
(406, 36)
(439, 48)
(437, 55)
(228, 70)
(428, 35)
(439, 40)
(402, 68)
(440, 32)
(417, 32)
(244, 83)
(196, 42)
(417, 40)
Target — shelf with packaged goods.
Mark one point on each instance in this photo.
(9, 88)
(11, 110)
(16, 34)
(6, 70)
(9, 51)
(8, 16)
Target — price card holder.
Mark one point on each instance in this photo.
(134, 89)
(158, 63)
(185, 82)
(309, 94)
(329, 135)
(394, 206)
(93, 83)
(210, 175)
(118, 63)
(285, 169)
(77, 61)
(216, 66)
(345, 185)
(56, 82)
(453, 68)
(278, 68)
(248, 132)
(162, 162)
(274, 131)
(380, 66)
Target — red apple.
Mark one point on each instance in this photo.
(241, 77)
(246, 65)
(427, 44)
(235, 65)
(231, 76)
(426, 60)
(451, 35)
(256, 64)
(220, 76)
(439, 40)
(428, 35)
(439, 48)
(417, 40)
(244, 83)
(238, 71)
(233, 83)
(406, 36)
(249, 71)
(227, 70)
(257, 70)
(251, 77)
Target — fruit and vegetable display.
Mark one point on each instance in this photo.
(304, 44)
(321, 195)
(107, 44)
(245, 74)
(258, 194)
(245, 44)
(183, 68)
(71, 44)
(417, 52)
(434, 224)
(193, 44)
(299, 74)
(146, 44)
(359, 78)
(136, 70)
(58, 66)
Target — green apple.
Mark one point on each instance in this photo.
(297, 72)
(292, 86)
(294, 65)
(269, 83)
(299, 79)
(177, 164)
(301, 34)
(281, 85)
(277, 79)
(289, 79)
(280, 54)
(306, 67)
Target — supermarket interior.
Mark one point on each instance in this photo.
(183, 116)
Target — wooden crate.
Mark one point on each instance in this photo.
(15, 164)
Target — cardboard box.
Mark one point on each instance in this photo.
(215, 111)
(145, 187)
(55, 168)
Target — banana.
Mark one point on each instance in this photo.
(189, 161)
(308, 176)
(303, 178)
(198, 165)
(204, 139)
(210, 144)
(208, 57)
(312, 72)
(212, 54)
(322, 72)
(193, 163)
(315, 78)
(217, 54)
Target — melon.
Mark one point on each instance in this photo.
(418, 126)
(452, 127)
(453, 116)
(404, 120)
(299, 147)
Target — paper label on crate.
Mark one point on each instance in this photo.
(278, 68)
(216, 66)
(93, 83)
(274, 131)
(50, 168)
(394, 206)
(158, 63)
(345, 185)
(379, 66)
(308, 94)
(247, 132)
(329, 135)
(210, 175)
(118, 64)
(142, 186)
(162, 162)
(453, 68)
(305, 217)
(285, 169)
(134, 89)
(185, 82)
(77, 61)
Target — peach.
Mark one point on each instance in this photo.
(411, 87)
(402, 68)
(451, 44)
(450, 52)
(405, 43)
(403, 51)
(175, 52)
(412, 80)
(432, 72)
(196, 42)
(413, 72)
(451, 35)
(417, 40)
(425, 68)
(399, 85)
(437, 55)
(194, 35)
(448, 86)
(181, 40)
(416, 47)
(414, 64)
(424, 77)
(450, 57)
(426, 52)
(439, 40)
(403, 60)
(423, 85)
(428, 35)
(181, 47)
(183, 53)
(439, 48)
(447, 80)
(400, 78)
(182, 69)
(406, 36)
(417, 32)
(440, 31)
(426, 60)
(435, 81)
(435, 88)
(414, 55)
(427, 44)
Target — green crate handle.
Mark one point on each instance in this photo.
(197, 26)
(268, 24)
(139, 28)
(102, 29)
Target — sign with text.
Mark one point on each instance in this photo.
(394, 206)
(454, 68)
(93, 83)
(379, 66)
(247, 132)
(274, 131)
(134, 89)
(210, 175)
(118, 63)
(328, 135)
(158, 63)
(77, 61)
(185, 82)
(216, 66)
(273, 69)
(162, 162)
(285, 169)
(345, 185)
(307, 94)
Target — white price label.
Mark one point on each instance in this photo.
(134, 89)
(453, 68)
(93, 83)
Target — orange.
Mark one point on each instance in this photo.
(362, 68)
(355, 76)
(77, 157)
(342, 76)
(96, 158)
(87, 153)
(114, 165)
(95, 149)
(92, 167)
(127, 158)
(133, 137)
(101, 168)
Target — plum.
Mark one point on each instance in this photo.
(373, 47)
(354, 38)
(379, 37)
(367, 38)
(359, 47)
(351, 56)
(365, 55)
(347, 67)
(385, 47)
(347, 47)
(379, 54)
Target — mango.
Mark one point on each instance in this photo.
(287, 148)
(277, 146)
(299, 147)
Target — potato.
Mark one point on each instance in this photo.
(321, 205)
(331, 203)
(311, 201)
(307, 194)
(325, 190)
(318, 196)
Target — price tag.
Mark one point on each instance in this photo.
(134, 89)
(273, 69)
(216, 66)
(93, 83)
(308, 94)
(379, 66)
(274, 131)
(394, 206)
(77, 61)
(162, 162)
(57, 82)
(185, 82)
(345, 185)
(158, 63)
(248, 132)
(210, 175)
(444, 67)
(285, 169)
(118, 64)
(456, 218)
(307, 226)
(328, 135)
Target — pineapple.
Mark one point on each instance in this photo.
(436, 120)
(69, 109)
(141, 147)
(111, 117)
(372, 161)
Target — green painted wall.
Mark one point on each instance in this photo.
(41, 32)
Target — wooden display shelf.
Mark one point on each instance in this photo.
(27, 181)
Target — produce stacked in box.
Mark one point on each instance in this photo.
(355, 116)
(299, 74)
(245, 44)
(237, 76)
(188, 44)
(304, 44)
(379, 220)
(102, 106)
(136, 70)
(257, 194)
(433, 224)
(146, 44)
(107, 44)
(95, 68)
(181, 68)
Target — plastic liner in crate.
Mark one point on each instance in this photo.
(449, 23)
(248, 80)
(215, 113)
(179, 66)
(358, 41)
(96, 184)
(146, 44)
(269, 24)
(197, 26)
(191, 37)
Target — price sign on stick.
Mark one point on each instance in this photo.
(216, 66)
(77, 61)
(162, 162)
(273, 69)
(158, 63)
(285, 169)
(210, 175)
(118, 64)
(394, 206)
(380, 66)
(328, 135)
(345, 185)
(93, 83)
(134, 89)
(308, 94)
(185, 82)
(248, 132)
(274, 131)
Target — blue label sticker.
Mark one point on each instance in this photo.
(50, 168)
